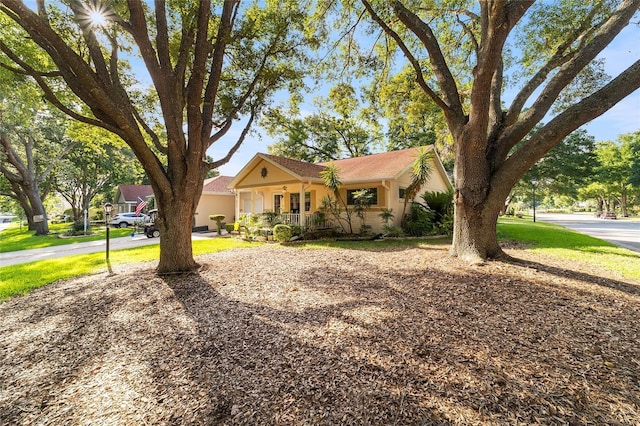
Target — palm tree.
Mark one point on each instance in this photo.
(331, 178)
(422, 168)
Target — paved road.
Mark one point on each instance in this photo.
(24, 256)
(622, 232)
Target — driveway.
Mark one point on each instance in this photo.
(24, 256)
(622, 232)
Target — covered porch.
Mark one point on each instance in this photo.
(300, 208)
(289, 189)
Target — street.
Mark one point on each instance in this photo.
(624, 233)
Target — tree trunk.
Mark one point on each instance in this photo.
(31, 203)
(478, 201)
(474, 234)
(174, 222)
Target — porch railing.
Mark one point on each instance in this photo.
(312, 221)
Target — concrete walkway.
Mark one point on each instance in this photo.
(32, 255)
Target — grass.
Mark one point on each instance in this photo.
(22, 278)
(14, 238)
(561, 242)
(542, 237)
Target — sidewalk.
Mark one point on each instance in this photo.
(32, 255)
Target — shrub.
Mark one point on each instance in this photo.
(392, 231)
(218, 218)
(270, 219)
(230, 227)
(296, 230)
(282, 233)
(419, 221)
(77, 228)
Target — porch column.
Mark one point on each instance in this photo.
(303, 212)
(237, 205)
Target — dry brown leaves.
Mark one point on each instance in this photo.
(290, 336)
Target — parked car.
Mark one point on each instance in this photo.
(122, 220)
(609, 215)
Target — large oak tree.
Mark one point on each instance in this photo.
(212, 64)
(33, 144)
(464, 54)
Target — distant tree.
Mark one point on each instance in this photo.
(99, 163)
(563, 171)
(342, 128)
(413, 118)
(615, 169)
(32, 145)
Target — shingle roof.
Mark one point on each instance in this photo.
(301, 168)
(386, 165)
(131, 192)
(218, 184)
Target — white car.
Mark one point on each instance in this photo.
(122, 220)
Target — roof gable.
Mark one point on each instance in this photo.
(287, 169)
(130, 193)
(299, 168)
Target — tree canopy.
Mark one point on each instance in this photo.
(465, 56)
(211, 64)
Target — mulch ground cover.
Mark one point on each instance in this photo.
(290, 336)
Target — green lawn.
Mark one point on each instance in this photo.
(541, 237)
(21, 278)
(13, 238)
(564, 243)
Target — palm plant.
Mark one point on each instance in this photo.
(422, 168)
(335, 204)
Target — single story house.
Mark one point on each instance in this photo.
(127, 197)
(216, 198)
(295, 189)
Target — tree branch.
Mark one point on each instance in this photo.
(567, 73)
(237, 145)
(407, 53)
(569, 120)
(453, 110)
(559, 58)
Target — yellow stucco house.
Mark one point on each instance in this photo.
(216, 198)
(295, 189)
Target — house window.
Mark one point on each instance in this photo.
(372, 191)
(294, 200)
(401, 192)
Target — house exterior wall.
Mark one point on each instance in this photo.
(214, 204)
(264, 181)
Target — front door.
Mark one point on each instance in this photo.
(277, 203)
(294, 199)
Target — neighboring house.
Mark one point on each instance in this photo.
(216, 198)
(127, 197)
(295, 189)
